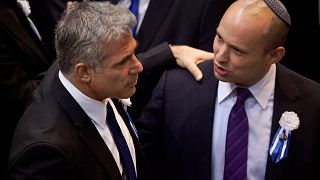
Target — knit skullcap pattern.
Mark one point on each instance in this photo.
(280, 10)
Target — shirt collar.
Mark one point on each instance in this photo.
(262, 91)
(96, 110)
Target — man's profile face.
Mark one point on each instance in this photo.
(120, 71)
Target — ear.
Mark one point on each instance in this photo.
(82, 72)
(277, 54)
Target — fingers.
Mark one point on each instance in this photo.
(207, 55)
(203, 55)
(195, 71)
(188, 57)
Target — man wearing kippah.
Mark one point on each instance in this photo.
(249, 118)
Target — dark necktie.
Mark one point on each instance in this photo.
(236, 152)
(125, 156)
(134, 8)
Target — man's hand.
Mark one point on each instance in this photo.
(188, 58)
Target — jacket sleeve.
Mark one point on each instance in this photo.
(155, 61)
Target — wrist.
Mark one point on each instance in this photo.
(176, 50)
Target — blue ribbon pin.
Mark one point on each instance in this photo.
(280, 145)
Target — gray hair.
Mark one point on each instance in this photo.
(84, 30)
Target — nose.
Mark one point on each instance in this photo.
(136, 67)
(221, 53)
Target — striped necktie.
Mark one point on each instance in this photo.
(125, 155)
(236, 152)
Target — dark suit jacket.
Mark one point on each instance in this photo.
(22, 61)
(174, 21)
(45, 90)
(176, 126)
(186, 22)
(45, 14)
(178, 22)
(55, 139)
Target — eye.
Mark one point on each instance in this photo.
(238, 51)
(219, 37)
(124, 61)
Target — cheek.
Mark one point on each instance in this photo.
(215, 45)
(104, 83)
(240, 66)
(118, 80)
(246, 68)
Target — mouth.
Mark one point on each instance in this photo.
(220, 70)
(132, 83)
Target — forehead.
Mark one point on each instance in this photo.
(120, 47)
(242, 27)
(125, 44)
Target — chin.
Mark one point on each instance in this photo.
(219, 77)
(127, 94)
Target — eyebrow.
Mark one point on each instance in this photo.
(123, 60)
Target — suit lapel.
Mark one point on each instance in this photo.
(285, 95)
(154, 17)
(92, 138)
(17, 30)
(87, 132)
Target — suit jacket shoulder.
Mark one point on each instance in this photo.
(56, 133)
(172, 117)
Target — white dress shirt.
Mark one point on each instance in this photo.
(97, 112)
(24, 5)
(259, 109)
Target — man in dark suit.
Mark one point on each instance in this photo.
(45, 15)
(22, 63)
(176, 22)
(64, 133)
(173, 21)
(180, 22)
(184, 128)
